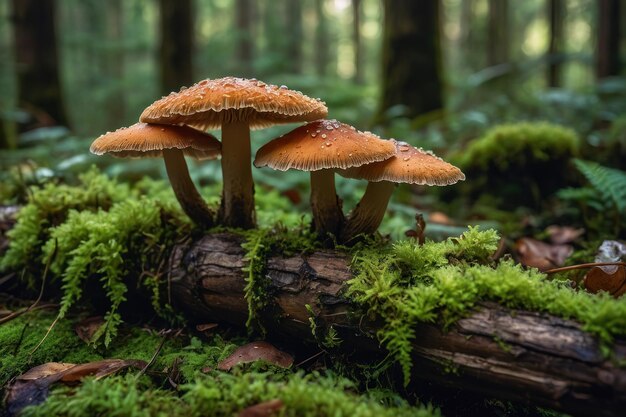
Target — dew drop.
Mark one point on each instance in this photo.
(328, 144)
(323, 135)
(350, 155)
(283, 87)
(404, 148)
(406, 158)
(322, 146)
(313, 135)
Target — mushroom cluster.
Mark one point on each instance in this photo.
(173, 127)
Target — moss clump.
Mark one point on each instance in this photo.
(49, 206)
(221, 394)
(442, 282)
(515, 160)
(259, 244)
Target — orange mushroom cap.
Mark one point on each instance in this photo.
(147, 140)
(208, 103)
(323, 144)
(408, 165)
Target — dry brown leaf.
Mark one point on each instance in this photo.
(563, 234)
(256, 351)
(206, 326)
(264, 409)
(32, 387)
(85, 329)
(543, 256)
(611, 280)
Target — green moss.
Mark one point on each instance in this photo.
(442, 282)
(48, 207)
(258, 245)
(519, 163)
(222, 394)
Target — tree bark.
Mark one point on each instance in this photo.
(556, 15)
(245, 38)
(357, 41)
(608, 50)
(295, 38)
(176, 47)
(411, 56)
(322, 40)
(498, 28)
(37, 64)
(513, 355)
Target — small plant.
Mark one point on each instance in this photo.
(602, 203)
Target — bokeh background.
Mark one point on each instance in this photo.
(435, 73)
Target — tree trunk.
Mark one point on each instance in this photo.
(498, 31)
(245, 38)
(411, 58)
(37, 64)
(556, 14)
(176, 47)
(322, 57)
(513, 355)
(357, 42)
(608, 50)
(295, 35)
(114, 62)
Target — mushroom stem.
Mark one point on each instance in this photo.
(186, 193)
(237, 207)
(369, 212)
(325, 205)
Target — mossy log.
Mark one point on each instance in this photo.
(515, 355)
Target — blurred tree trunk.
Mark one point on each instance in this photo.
(294, 26)
(176, 47)
(244, 10)
(322, 40)
(357, 42)
(37, 67)
(411, 56)
(556, 14)
(608, 48)
(114, 63)
(498, 31)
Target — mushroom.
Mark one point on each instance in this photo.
(321, 147)
(236, 105)
(143, 140)
(408, 165)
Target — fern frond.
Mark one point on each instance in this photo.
(610, 183)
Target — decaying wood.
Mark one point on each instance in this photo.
(516, 355)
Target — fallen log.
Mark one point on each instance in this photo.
(514, 355)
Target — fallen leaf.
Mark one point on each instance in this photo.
(256, 351)
(543, 256)
(293, 195)
(264, 409)
(32, 387)
(563, 234)
(608, 278)
(85, 329)
(206, 326)
(613, 282)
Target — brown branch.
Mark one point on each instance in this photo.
(515, 355)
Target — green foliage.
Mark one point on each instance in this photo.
(603, 202)
(515, 160)
(222, 394)
(442, 282)
(48, 207)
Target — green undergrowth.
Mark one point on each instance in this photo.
(202, 390)
(440, 282)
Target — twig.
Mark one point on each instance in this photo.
(43, 283)
(156, 353)
(582, 266)
(321, 352)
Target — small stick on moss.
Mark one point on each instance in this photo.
(43, 283)
(582, 266)
(158, 350)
